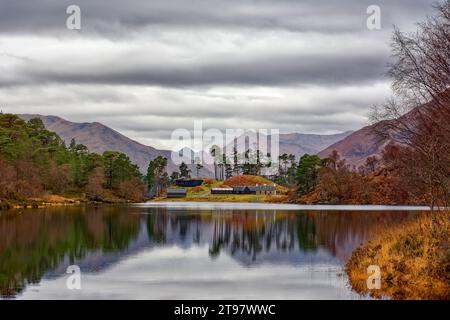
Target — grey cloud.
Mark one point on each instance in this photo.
(114, 16)
(333, 69)
(232, 63)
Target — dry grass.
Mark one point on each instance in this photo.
(414, 259)
(196, 189)
(276, 199)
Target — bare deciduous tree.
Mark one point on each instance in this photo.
(417, 117)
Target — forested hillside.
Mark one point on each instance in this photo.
(35, 162)
(99, 138)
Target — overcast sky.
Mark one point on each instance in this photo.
(145, 68)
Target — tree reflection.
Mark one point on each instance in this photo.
(34, 242)
(38, 241)
(252, 233)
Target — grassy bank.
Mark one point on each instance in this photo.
(41, 202)
(56, 201)
(414, 259)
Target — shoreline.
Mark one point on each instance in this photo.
(55, 201)
(414, 260)
(291, 206)
(61, 201)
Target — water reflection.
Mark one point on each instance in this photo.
(40, 244)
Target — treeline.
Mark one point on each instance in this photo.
(157, 178)
(55, 237)
(35, 162)
(333, 181)
(224, 168)
(415, 166)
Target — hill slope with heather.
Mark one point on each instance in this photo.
(365, 142)
(357, 147)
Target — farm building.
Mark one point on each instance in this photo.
(221, 190)
(272, 190)
(244, 190)
(188, 183)
(269, 190)
(176, 193)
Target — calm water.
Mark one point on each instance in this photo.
(185, 251)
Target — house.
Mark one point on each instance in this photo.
(221, 190)
(176, 193)
(244, 190)
(188, 183)
(268, 190)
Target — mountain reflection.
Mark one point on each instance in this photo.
(39, 243)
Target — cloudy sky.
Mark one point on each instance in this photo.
(146, 68)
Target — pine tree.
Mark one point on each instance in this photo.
(184, 171)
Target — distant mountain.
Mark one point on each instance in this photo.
(363, 143)
(99, 138)
(299, 143)
(358, 146)
(291, 143)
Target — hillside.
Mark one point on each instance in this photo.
(249, 180)
(37, 167)
(293, 143)
(300, 143)
(99, 138)
(357, 147)
(363, 143)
